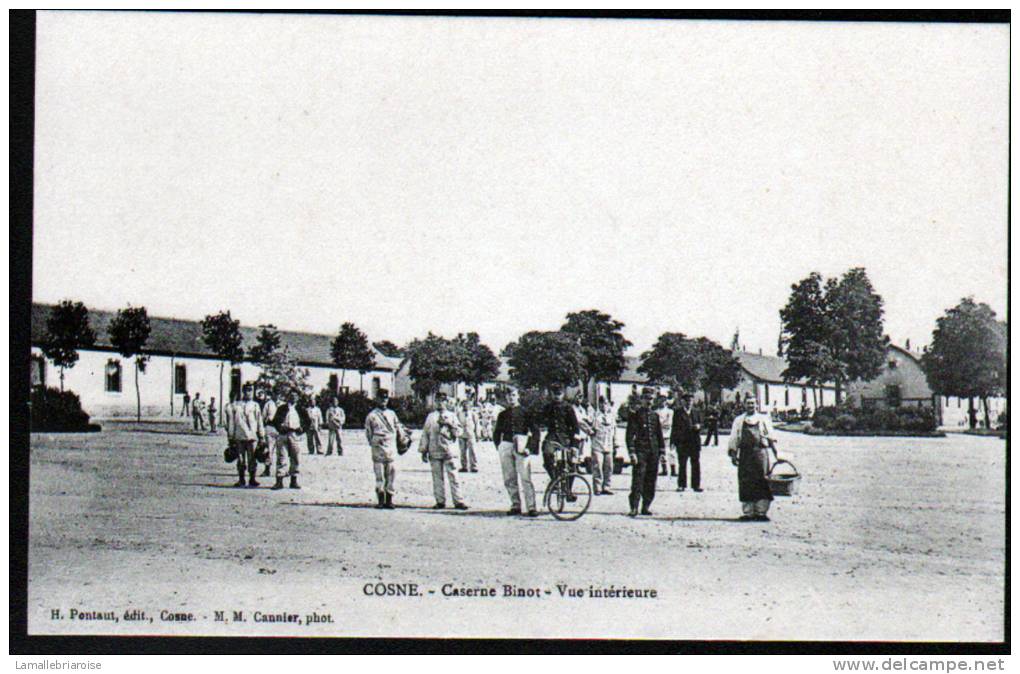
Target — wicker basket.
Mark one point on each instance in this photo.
(785, 484)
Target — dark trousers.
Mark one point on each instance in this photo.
(643, 475)
(685, 454)
(713, 431)
(245, 458)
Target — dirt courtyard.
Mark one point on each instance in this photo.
(141, 533)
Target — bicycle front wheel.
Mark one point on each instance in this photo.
(568, 496)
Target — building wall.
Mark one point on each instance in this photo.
(954, 411)
(88, 379)
(900, 370)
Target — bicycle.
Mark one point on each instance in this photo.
(568, 495)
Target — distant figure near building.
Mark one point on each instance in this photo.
(212, 415)
(335, 419)
(198, 412)
(382, 428)
(750, 438)
(291, 421)
(438, 441)
(468, 419)
(314, 425)
(712, 424)
(685, 437)
(644, 444)
(186, 408)
(516, 442)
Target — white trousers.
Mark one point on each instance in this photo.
(516, 476)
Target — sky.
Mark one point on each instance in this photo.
(491, 175)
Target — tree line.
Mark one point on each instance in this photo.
(832, 332)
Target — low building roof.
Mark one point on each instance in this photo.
(182, 337)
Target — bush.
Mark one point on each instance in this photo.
(845, 422)
(1003, 421)
(56, 411)
(875, 419)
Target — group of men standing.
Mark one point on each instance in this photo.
(276, 425)
(271, 429)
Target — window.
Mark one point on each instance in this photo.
(892, 364)
(786, 396)
(334, 382)
(766, 394)
(893, 396)
(180, 378)
(376, 383)
(803, 396)
(113, 376)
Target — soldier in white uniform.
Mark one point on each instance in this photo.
(268, 414)
(438, 442)
(383, 428)
(314, 425)
(335, 419)
(245, 427)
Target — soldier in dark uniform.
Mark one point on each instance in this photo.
(712, 424)
(644, 444)
(561, 425)
(685, 436)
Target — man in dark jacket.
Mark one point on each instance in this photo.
(561, 426)
(685, 436)
(290, 421)
(712, 424)
(644, 444)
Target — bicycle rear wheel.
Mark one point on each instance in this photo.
(568, 496)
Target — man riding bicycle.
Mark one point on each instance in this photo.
(561, 424)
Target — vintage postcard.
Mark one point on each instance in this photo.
(518, 327)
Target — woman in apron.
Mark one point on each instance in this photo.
(750, 439)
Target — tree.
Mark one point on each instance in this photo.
(67, 331)
(434, 361)
(267, 342)
(541, 359)
(479, 362)
(602, 344)
(281, 375)
(350, 351)
(222, 334)
(720, 369)
(388, 349)
(129, 331)
(833, 331)
(805, 334)
(967, 355)
(674, 360)
(857, 342)
(507, 350)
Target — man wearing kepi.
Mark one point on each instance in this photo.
(685, 437)
(561, 426)
(245, 427)
(439, 436)
(644, 444)
(511, 438)
(382, 428)
(291, 421)
(750, 438)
